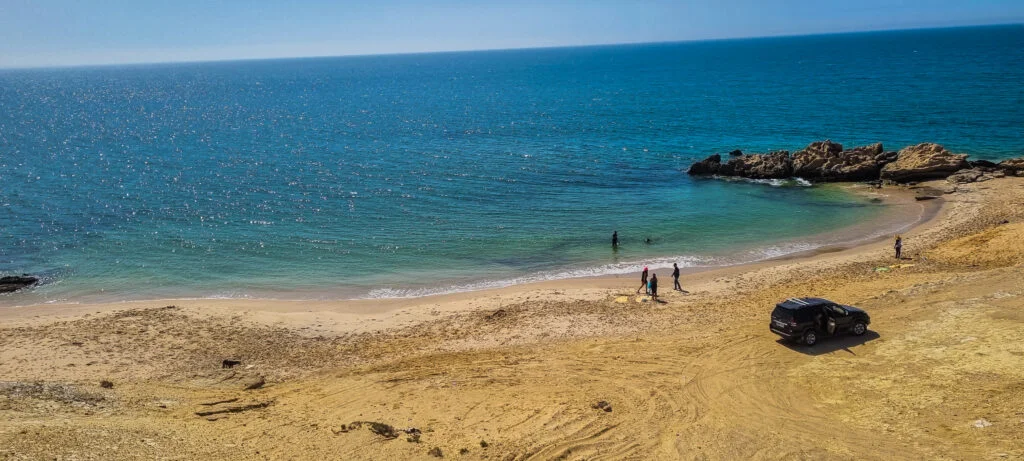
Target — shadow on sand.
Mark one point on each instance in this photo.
(830, 345)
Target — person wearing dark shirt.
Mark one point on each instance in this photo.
(615, 239)
(643, 281)
(654, 287)
(675, 277)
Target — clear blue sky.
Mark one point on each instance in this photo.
(75, 32)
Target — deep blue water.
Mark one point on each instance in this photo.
(387, 175)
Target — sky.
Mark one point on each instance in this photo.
(41, 33)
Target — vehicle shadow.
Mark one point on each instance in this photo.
(830, 345)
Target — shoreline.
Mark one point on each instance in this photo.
(937, 376)
(844, 238)
(375, 314)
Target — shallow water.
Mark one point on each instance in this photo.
(407, 175)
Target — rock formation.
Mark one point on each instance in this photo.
(708, 166)
(923, 162)
(773, 165)
(16, 282)
(1013, 166)
(827, 161)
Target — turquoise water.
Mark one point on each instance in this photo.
(407, 175)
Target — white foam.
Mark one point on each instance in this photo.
(596, 271)
(788, 182)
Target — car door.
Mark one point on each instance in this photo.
(844, 321)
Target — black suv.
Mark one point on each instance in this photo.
(808, 319)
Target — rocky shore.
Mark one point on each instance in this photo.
(827, 161)
(16, 282)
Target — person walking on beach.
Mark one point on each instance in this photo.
(654, 287)
(643, 281)
(675, 277)
(899, 247)
(615, 239)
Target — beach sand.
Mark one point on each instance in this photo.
(518, 372)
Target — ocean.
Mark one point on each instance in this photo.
(407, 175)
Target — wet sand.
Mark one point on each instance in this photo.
(696, 376)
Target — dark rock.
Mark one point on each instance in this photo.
(736, 153)
(921, 198)
(983, 164)
(923, 162)
(463, 451)
(772, 165)
(106, 384)
(602, 405)
(966, 176)
(1013, 166)
(230, 363)
(827, 161)
(707, 166)
(436, 452)
(975, 175)
(484, 444)
(383, 430)
(17, 282)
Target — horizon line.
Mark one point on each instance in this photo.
(523, 48)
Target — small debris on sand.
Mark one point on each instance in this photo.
(256, 383)
(602, 405)
(236, 408)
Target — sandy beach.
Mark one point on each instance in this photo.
(521, 372)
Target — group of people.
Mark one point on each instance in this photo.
(651, 284)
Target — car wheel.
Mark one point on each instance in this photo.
(859, 328)
(810, 338)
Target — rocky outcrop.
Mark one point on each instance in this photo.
(983, 164)
(975, 175)
(773, 165)
(708, 166)
(923, 162)
(1013, 166)
(827, 161)
(16, 282)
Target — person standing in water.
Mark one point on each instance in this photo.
(654, 287)
(899, 247)
(675, 277)
(615, 239)
(643, 281)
